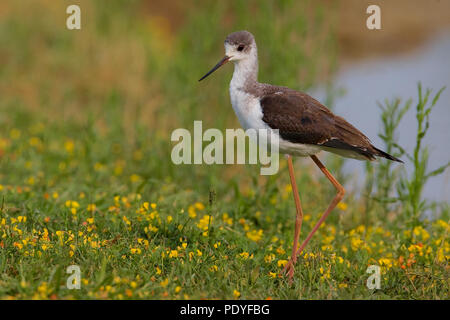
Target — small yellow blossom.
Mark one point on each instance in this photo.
(213, 268)
(342, 206)
(255, 235)
(135, 251)
(173, 254)
(199, 206)
(226, 218)
(164, 283)
(282, 263)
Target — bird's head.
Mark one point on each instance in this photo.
(239, 46)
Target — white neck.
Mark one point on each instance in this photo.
(245, 70)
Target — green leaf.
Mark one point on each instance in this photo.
(438, 171)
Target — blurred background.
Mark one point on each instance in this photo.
(128, 78)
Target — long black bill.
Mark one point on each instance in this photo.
(217, 66)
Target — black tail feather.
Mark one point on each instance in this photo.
(383, 154)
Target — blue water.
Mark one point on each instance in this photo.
(367, 82)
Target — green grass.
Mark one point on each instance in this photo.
(86, 177)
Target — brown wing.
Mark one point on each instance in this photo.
(302, 119)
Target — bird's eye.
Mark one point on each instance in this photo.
(241, 47)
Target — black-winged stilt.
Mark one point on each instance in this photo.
(305, 126)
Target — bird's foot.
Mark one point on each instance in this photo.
(289, 270)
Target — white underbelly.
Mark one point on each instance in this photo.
(298, 149)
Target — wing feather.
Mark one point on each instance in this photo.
(302, 119)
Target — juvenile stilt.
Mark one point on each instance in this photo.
(303, 125)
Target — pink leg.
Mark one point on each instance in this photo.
(336, 200)
(298, 220)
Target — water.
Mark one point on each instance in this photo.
(367, 82)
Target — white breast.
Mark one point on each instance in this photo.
(247, 109)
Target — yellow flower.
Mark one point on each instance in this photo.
(204, 222)
(244, 255)
(18, 245)
(288, 188)
(69, 145)
(213, 268)
(125, 219)
(177, 289)
(236, 294)
(342, 206)
(135, 251)
(227, 219)
(385, 262)
(191, 212)
(91, 207)
(135, 178)
(164, 283)
(440, 223)
(356, 243)
(255, 235)
(199, 206)
(14, 134)
(269, 258)
(421, 232)
(72, 204)
(272, 274)
(30, 181)
(43, 288)
(95, 244)
(173, 254)
(282, 263)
